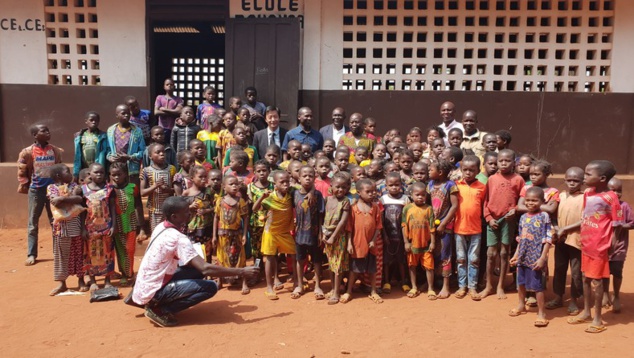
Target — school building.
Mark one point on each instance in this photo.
(557, 73)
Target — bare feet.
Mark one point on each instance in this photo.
(82, 284)
(486, 292)
(61, 288)
(30, 261)
(107, 283)
(319, 294)
(616, 308)
(93, 287)
(444, 293)
(501, 294)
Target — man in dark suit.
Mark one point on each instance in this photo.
(335, 130)
(272, 134)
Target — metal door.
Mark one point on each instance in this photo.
(264, 53)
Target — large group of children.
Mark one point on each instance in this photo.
(423, 211)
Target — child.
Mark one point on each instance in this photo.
(255, 189)
(126, 143)
(568, 245)
(342, 160)
(322, 181)
(158, 136)
(201, 200)
(84, 176)
(503, 192)
(238, 168)
(244, 117)
(420, 172)
(210, 137)
(309, 218)
(406, 160)
(453, 155)
(141, 118)
(468, 228)
(444, 201)
(197, 148)
(389, 135)
(417, 149)
(433, 133)
(415, 135)
(365, 226)
(207, 108)
(100, 224)
(531, 256)
(33, 180)
(239, 135)
(524, 167)
(379, 152)
(276, 237)
(293, 170)
(256, 108)
(168, 107)
(329, 148)
(619, 250)
(419, 236)
(156, 183)
(235, 103)
(91, 144)
(503, 139)
(130, 226)
(272, 156)
(375, 172)
(225, 137)
(67, 231)
(490, 142)
(294, 152)
(393, 250)
(181, 180)
(361, 156)
(335, 234)
(370, 128)
(489, 167)
(231, 225)
(539, 173)
(437, 147)
(307, 152)
(184, 131)
(455, 137)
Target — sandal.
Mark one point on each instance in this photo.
(578, 320)
(554, 304)
(296, 294)
(319, 296)
(333, 300)
(474, 295)
(413, 293)
(278, 286)
(515, 312)
(375, 298)
(271, 296)
(387, 288)
(406, 288)
(461, 293)
(541, 322)
(431, 295)
(596, 329)
(345, 298)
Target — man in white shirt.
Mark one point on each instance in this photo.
(447, 112)
(162, 286)
(272, 134)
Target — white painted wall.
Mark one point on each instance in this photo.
(22, 53)
(623, 47)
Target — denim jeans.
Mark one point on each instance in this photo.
(187, 288)
(468, 259)
(37, 202)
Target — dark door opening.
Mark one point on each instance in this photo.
(192, 54)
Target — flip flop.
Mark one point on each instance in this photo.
(413, 293)
(596, 329)
(319, 296)
(461, 293)
(278, 287)
(406, 288)
(345, 298)
(554, 304)
(387, 288)
(431, 295)
(295, 295)
(577, 320)
(573, 311)
(475, 296)
(333, 300)
(271, 296)
(541, 322)
(515, 312)
(375, 298)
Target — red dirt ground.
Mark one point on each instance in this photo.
(34, 324)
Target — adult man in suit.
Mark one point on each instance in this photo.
(338, 128)
(272, 134)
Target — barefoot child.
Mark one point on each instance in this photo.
(365, 226)
(309, 218)
(418, 225)
(130, 220)
(100, 224)
(531, 256)
(503, 192)
(568, 245)
(67, 230)
(200, 198)
(157, 183)
(444, 201)
(231, 226)
(468, 229)
(393, 250)
(276, 237)
(335, 233)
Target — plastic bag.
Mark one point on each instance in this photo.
(105, 294)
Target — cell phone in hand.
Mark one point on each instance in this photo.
(257, 262)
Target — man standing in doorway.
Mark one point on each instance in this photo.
(338, 128)
(472, 137)
(303, 133)
(447, 112)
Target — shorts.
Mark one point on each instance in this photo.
(316, 253)
(364, 264)
(616, 268)
(504, 233)
(595, 268)
(426, 260)
(532, 280)
(277, 244)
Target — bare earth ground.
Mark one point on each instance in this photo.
(36, 325)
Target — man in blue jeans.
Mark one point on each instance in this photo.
(162, 286)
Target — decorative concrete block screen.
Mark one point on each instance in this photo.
(72, 41)
(478, 45)
(192, 75)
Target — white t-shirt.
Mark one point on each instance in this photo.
(336, 134)
(446, 129)
(161, 261)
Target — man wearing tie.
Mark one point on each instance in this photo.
(272, 134)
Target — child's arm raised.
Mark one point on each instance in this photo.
(258, 203)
